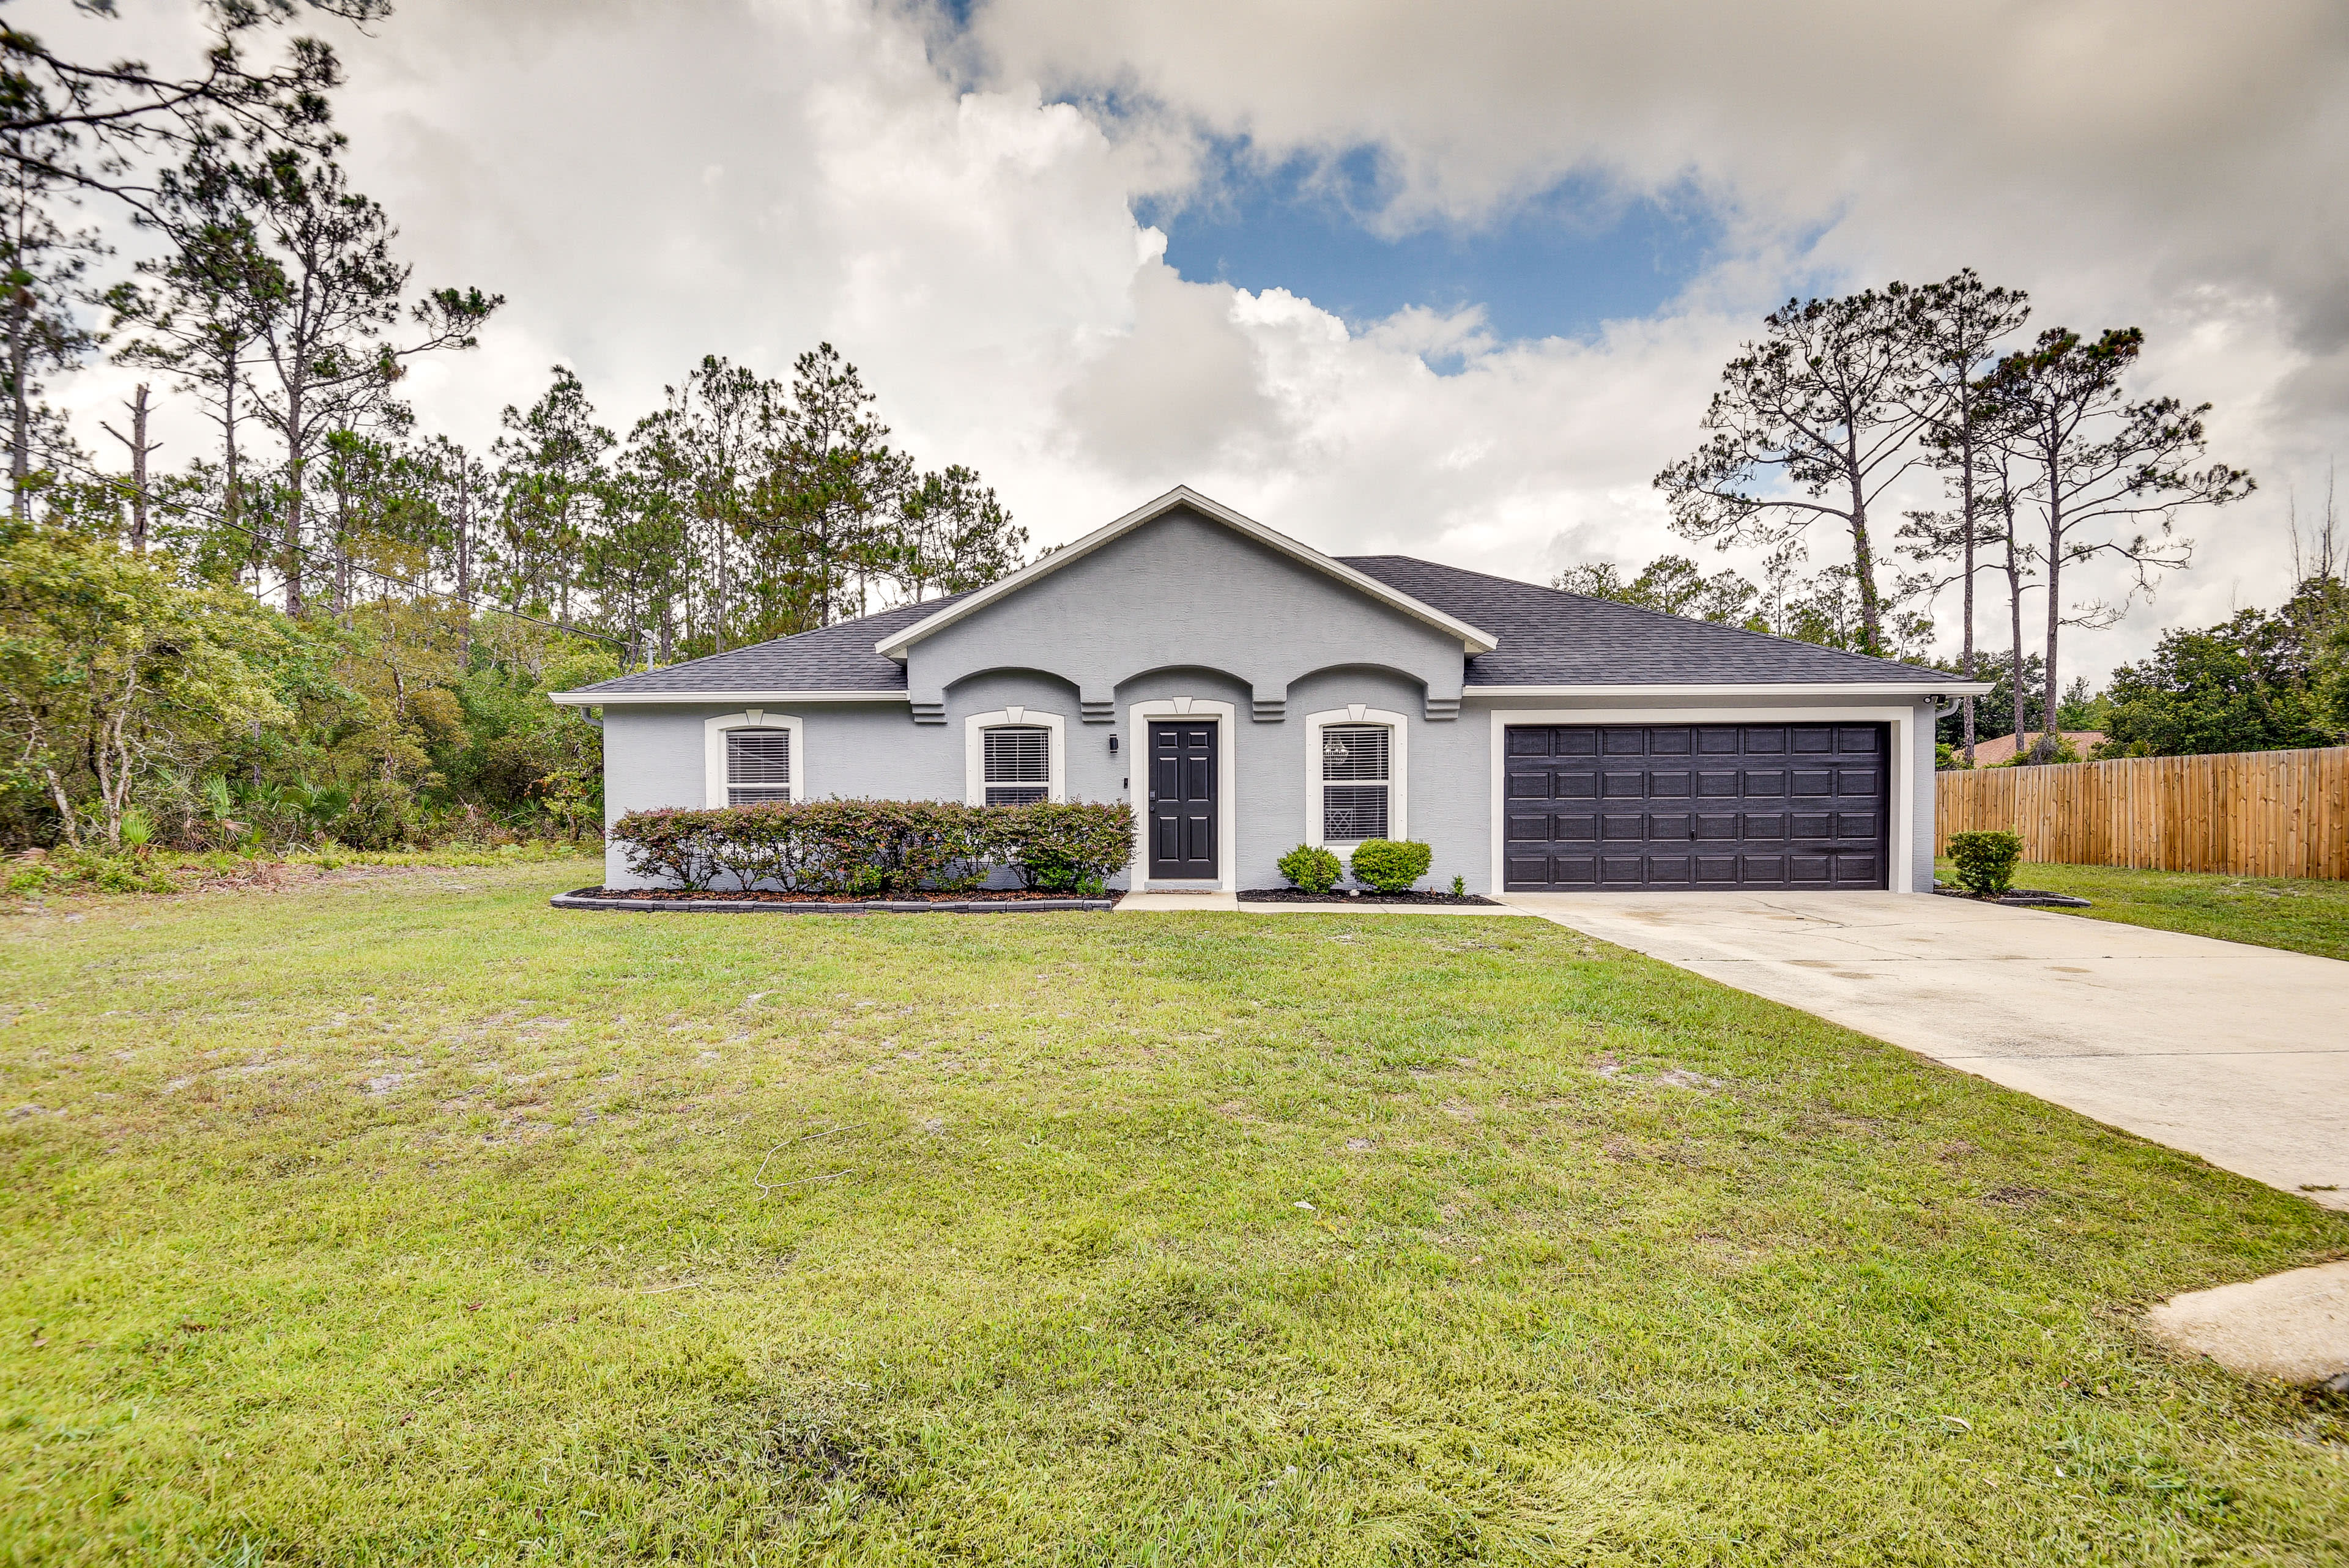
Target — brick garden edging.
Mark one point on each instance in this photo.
(592, 898)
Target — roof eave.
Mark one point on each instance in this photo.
(588, 697)
(1472, 640)
(1951, 688)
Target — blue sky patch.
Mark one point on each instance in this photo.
(1559, 264)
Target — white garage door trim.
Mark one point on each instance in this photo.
(1900, 851)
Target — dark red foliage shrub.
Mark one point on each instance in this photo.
(878, 847)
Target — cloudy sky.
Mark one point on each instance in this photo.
(1451, 280)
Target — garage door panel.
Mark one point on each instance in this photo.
(1821, 791)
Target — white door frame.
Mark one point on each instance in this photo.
(1227, 847)
(1899, 849)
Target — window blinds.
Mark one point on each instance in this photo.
(1018, 765)
(757, 766)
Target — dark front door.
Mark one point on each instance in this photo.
(1182, 800)
(1701, 805)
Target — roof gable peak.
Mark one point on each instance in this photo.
(1183, 497)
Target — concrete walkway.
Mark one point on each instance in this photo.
(2238, 1054)
(1229, 903)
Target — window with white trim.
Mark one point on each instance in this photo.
(1357, 761)
(757, 766)
(1016, 763)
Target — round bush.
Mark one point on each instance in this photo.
(1986, 861)
(1391, 865)
(1312, 869)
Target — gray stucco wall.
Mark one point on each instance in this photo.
(1173, 593)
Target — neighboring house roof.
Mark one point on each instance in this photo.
(1549, 638)
(1472, 639)
(2000, 749)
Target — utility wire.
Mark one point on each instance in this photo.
(311, 555)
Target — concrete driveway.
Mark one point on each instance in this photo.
(2238, 1054)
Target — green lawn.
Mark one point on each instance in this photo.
(401, 1219)
(2267, 911)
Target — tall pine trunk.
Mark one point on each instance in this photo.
(465, 562)
(20, 349)
(1966, 523)
(2045, 750)
(1863, 557)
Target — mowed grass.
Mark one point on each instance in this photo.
(405, 1220)
(2297, 914)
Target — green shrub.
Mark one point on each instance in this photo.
(1059, 846)
(1986, 861)
(1391, 865)
(1311, 868)
(869, 849)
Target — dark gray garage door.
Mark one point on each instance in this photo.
(1705, 805)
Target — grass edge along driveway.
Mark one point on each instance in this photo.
(406, 1220)
(2299, 914)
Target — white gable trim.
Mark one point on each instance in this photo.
(1474, 641)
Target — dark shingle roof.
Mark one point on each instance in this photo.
(1546, 638)
(833, 658)
(1552, 638)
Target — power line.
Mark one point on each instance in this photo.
(345, 564)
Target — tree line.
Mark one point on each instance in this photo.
(323, 621)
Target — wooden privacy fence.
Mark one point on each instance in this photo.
(2250, 813)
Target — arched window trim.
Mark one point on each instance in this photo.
(974, 734)
(715, 782)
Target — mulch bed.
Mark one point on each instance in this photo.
(1298, 895)
(663, 900)
(2020, 897)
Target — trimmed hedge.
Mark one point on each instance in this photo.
(879, 848)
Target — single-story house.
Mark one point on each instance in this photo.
(1246, 692)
